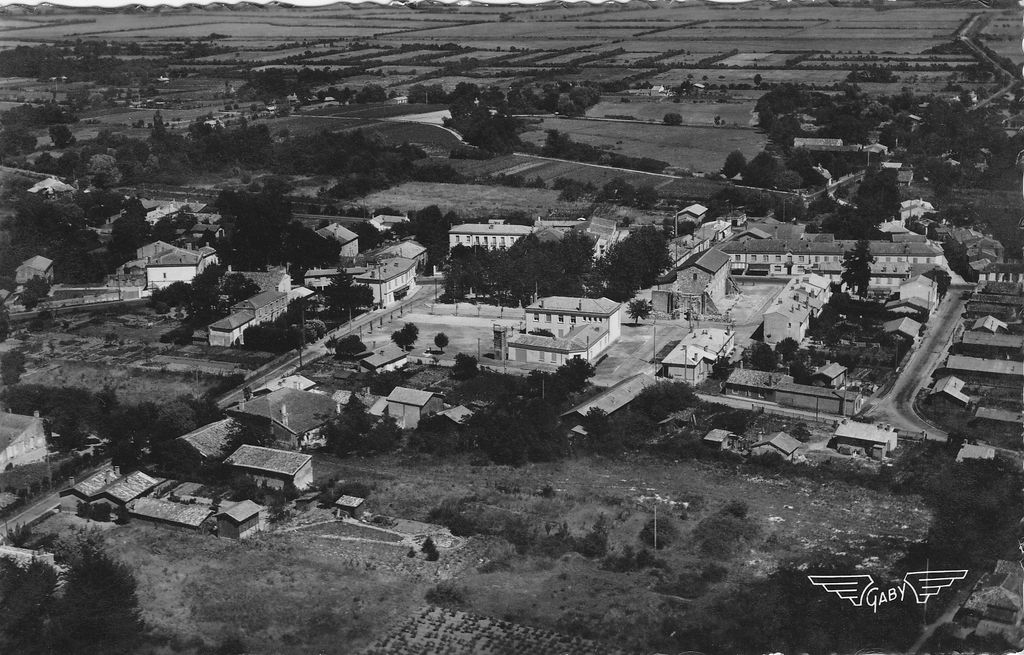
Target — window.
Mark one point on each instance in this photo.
(572, 319)
(548, 317)
(694, 277)
(536, 317)
(561, 318)
(778, 258)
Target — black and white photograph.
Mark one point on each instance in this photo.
(480, 328)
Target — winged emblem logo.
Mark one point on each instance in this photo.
(860, 589)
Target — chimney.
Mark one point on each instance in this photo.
(117, 471)
(36, 413)
(284, 415)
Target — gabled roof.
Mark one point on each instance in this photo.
(1001, 415)
(233, 321)
(384, 270)
(499, 229)
(831, 371)
(51, 185)
(13, 426)
(338, 232)
(296, 411)
(349, 501)
(985, 366)
(384, 356)
(782, 442)
(615, 397)
(1009, 341)
(711, 260)
(267, 280)
(241, 511)
(864, 432)
(406, 396)
(749, 377)
(458, 414)
(696, 209)
(907, 326)
(38, 262)
(92, 485)
(717, 435)
(972, 451)
(165, 510)
(211, 440)
(271, 460)
(130, 486)
(567, 304)
(260, 300)
(952, 386)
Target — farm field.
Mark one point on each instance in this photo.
(468, 200)
(692, 148)
(697, 113)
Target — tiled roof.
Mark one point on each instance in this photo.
(602, 306)
(1012, 341)
(386, 269)
(92, 485)
(864, 432)
(384, 356)
(972, 451)
(615, 397)
(349, 501)
(782, 441)
(267, 280)
(980, 365)
(233, 321)
(338, 232)
(577, 340)
(13, 426)
(130, 486)
(241, 511)
(835, 247)
(711, 260)
(1001, 415)
(38, 262)
(749, 377)
(271, 460)
(459, 414)
(907, 326)
(491, 228)
(406, 396)
(211, 440)
(297, 411)
(990, 323)
(952, 386)
(831, 371)
(260, 300)
(717, 435)
(165, 510)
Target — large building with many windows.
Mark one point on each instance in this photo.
(559, 328)
(895, 262)
(495, 235)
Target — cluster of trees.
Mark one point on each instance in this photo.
(356, 432)
(134, 431)
(481, 117)
(93, 607)
(211, 293)
(877, 200)
(561, 97)
(532, 268)
(561, 146)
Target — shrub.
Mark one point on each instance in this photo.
(430, 550)
(666, 533)
(722, 534)
(446, 594)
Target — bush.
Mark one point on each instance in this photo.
(446, 594)
(666, 533)
(722, 534)
(430, 550)
(465, 367)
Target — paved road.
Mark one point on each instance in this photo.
(423, 294)
(897, 405)
(46, 503)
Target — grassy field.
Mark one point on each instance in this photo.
(468, 200)
(693, 112)
(694, 148)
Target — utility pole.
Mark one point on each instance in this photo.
(302, 329)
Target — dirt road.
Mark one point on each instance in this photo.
(897, 406)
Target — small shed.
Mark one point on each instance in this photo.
(166, 514)
(307, 501)
(780, 444)
(832, 375)
(973, 451)
(717, 438)
(240, 520)
(350, 506)
(408, 406)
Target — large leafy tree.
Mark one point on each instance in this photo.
(857, 268)
(343, 296)
(634, 263)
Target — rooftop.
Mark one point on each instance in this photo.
(406, 396)
(271, 460)
(830, 247)
(491, 228)
(211, 440)
(338, 232)
(38, 262)
(384, 356)
(831, 371)
(711, 260)
(165, 510)
(864, 432)
(459, 414)
(972, 451)
(349, 501)
(981, 365)
(907, 326)
(749, 377)
(130, 486)
(602, 306)
(782, 441)
(717, 435)
(297, 411)
(260, 300)
(233, 321)
(615, 397)
(1012, 341)
(1001, 415)
(952, 386)
(386, 269)
(13, 425)
(241, 511)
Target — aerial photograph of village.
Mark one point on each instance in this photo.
(624, 328)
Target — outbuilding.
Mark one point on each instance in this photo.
(240, 520)
(351, 506)
(168, 514)
(408, 406)
(273, 468)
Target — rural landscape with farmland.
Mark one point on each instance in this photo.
(431, 329)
